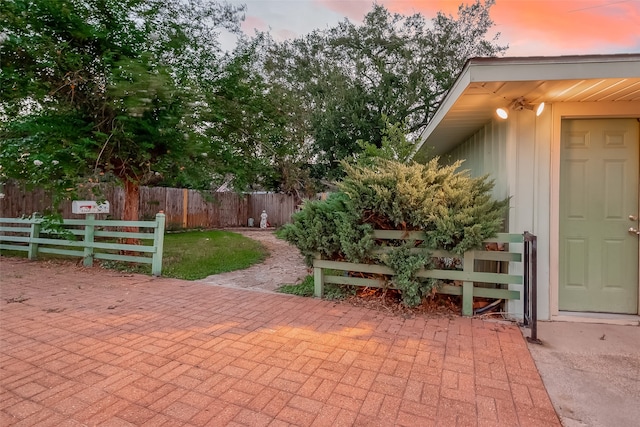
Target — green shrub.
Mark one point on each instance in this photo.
(455, 211)
(315, 228)
(306, 288)
(406, 264)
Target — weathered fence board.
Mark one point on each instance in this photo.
(173, 203)
(279, 207)
(29, 235)
(183, 208)
(470, 276)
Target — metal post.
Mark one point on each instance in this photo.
(534, 290)
(527, 281)
(532, 271)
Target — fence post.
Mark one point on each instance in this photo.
(526, 309)
(534, 288)
(34, 234)
(185, 208)
(89, 233)
(158, 243)
(467, 287)
(318, 279)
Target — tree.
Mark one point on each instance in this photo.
(255, 125)
(393, 68)
(92, 89)
(393, 146)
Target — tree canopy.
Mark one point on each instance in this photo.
(257, 125)
(140, 91)
(99, 88)
(352, 79)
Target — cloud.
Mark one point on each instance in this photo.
(542, 27)
(286, 18)
(568, 26)
(253, 22)
(354, 10)
(285, 34)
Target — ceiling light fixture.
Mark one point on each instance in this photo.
(518, 104)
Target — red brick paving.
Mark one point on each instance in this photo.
(95, 347)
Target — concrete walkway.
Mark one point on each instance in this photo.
(592, 372)
(94, 347)
(284, 265)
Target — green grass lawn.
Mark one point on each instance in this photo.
(331, 291)
(191, 255)
(195, 255)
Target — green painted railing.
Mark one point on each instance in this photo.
(468, 277)
(94, 239)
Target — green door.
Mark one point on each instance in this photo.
(599, 176)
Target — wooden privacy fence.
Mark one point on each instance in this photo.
(183, 208)
(473, 282)
(87, 238)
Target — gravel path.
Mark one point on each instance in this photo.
(284, 265)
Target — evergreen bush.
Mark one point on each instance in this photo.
(455, 211)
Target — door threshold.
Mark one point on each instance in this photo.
(606, 318)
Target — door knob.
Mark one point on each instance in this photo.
(633, 217)
(634, 231)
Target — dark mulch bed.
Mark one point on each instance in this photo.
(390, 301)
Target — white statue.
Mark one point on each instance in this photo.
(263, 219)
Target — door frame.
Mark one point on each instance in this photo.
(561, 111)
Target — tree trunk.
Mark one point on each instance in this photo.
(131, 207)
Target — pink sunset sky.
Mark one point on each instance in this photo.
(530, 28)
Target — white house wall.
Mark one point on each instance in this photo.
(485, 153)
(516, 154)
(522, 155)
(530, 149)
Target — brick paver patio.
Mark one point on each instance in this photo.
(95, 347)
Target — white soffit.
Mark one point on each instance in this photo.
(488, 83)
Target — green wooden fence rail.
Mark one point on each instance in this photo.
(468, 276)
(95, 239)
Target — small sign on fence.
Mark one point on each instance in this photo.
(89, 207)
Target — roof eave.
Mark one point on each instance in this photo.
(523, 69)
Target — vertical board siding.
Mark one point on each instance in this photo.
(202, 210)
(197, 210)
(115, 196)
(485, 153)
(173, 204)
